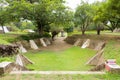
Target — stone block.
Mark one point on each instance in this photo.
(5, 67)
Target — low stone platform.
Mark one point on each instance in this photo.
(57, 72)
(5, 67)
(111, 66)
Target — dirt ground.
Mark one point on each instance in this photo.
(57, 45)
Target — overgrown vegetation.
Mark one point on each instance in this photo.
(33, 36)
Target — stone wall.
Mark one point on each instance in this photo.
(7, 50)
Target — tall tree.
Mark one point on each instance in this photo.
(5, 16)
(83, 16)
(97, 21)
(109, 12)
(42, 13)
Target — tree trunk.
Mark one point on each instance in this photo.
(98, 31)
(83, 32)
(3, 29)
(40, 29)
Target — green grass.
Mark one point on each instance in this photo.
(74, 58)
(7, 38)
(3, 42)
(8, 59)
(107, 76)
(94, 32)
(112, 51)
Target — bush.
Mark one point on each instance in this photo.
(33, 36)
(69, 29)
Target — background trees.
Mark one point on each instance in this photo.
(5, 16)
(42, 13)
(48, 14)
(83, 16)
(109, 12)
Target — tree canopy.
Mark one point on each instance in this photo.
(83, 16)
(42, 13)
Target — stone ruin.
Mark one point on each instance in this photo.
(43, 42)
(92, 44)
(6, 67)
(33, 45)
(18, 65)
(86, 44)
(78, 42)
(116, 30)
(97, 60)
(7, 50)
(21, 62)
(21, 48)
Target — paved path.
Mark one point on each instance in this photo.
(56, 72)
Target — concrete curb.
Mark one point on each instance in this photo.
(57, 72)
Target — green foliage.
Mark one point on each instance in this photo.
(32, 36)
(83, 16)
(7, 38)
(27, 25)
(3, 42)
(5, 16)
(2, 59)
(109, 12)
(42, 14)
(69, 29)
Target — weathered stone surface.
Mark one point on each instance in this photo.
(47, 41)
(21, 62)
(78, 42)
(6, 67)
(7, 50)
(21, 48)
(25, 44)
(97, 59)
(98, 67)
(37, 41)
(116, 30)
(100, 46)
(112, 66)
(43, 42)
(86, 44)
(33, 44)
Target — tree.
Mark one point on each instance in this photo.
(109, 12)
(5, 16)
(97, 21)
(83, 16)
(42, 14)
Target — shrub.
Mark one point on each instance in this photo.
(70, 29)
(33, 36)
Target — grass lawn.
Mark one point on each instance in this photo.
(94, 32)
(74, 58)
(107, 76)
